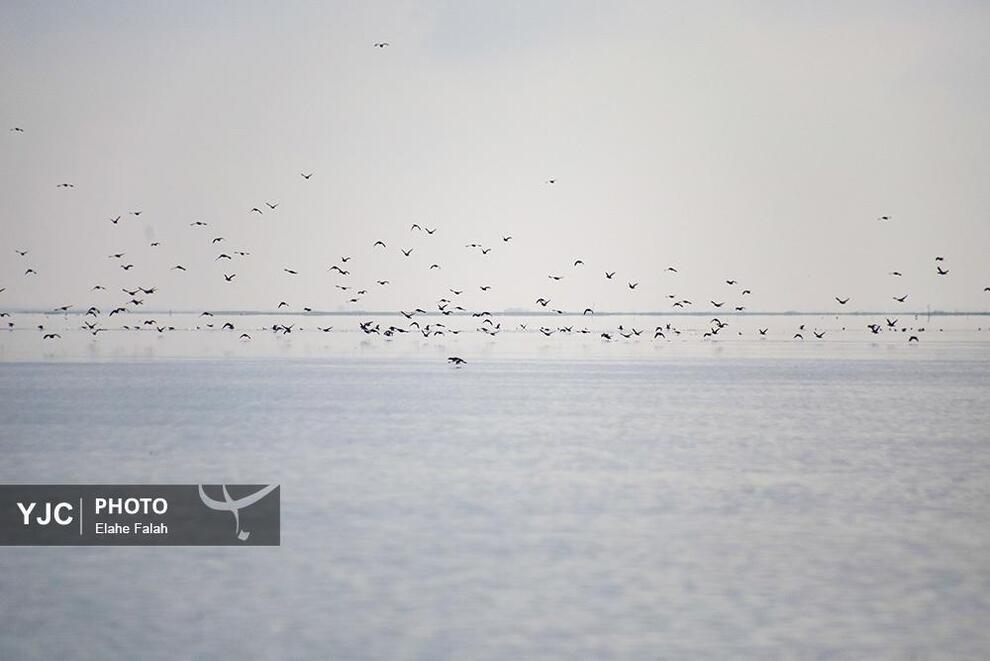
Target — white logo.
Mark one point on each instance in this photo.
(228, 504)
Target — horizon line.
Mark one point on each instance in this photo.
(526, 313)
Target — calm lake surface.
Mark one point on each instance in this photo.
(558, 497)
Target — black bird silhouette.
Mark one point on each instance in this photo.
(884, 218)
(819, 335)
(913, 338)
(718, 305)
(608, 276)
(115, 220)
(730, 282)
(378, 243)
(244, 336)
(406, 252)
(198, 223)
(291, 272)
(271, 206)
(578, 262)
(633, 285)
(506, 238)
(381, 44)
(306, 176)
(51, 336)
(897, 273)
(17, 129)
(901, 299)
(230, 277)
(941, 271)
(22, 253)
(842, 301)
(455, 360)
(180, 267)
(485, 287)
(257, 210)
(763, 331)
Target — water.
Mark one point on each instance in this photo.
(556, 498)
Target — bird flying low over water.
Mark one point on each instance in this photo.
(842, 301)
(455, 360)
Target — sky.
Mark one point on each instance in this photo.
(748, 141)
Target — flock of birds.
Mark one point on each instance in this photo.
(98, 316)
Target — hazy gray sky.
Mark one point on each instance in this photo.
(752, 141)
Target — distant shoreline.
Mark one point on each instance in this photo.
(523, 313)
